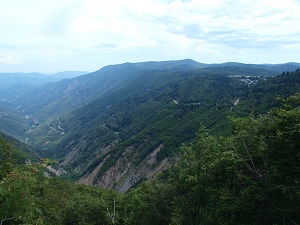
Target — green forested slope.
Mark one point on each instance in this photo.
(262, 96)
(249, 177)
(14, 151)
(128, 118)
(159, 108)
(50, 99)
(238, 170)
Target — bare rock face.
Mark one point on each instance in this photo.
(123, 175)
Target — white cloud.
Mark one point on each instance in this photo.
(88, 34)
(9, 60)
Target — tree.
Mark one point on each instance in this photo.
(20, 195)
(201, 178)
(250, 177)
(6, 159)
(150, 203)
(268, 148)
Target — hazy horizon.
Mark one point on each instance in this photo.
(87, 72)
(86, 35)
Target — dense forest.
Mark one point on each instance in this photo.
(248, 177)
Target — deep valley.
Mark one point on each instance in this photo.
(128, 123)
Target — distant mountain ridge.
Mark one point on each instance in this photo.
(69, 93)
(8, 80)
(61, 96)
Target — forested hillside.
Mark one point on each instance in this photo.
(126, 123)
(124, 134)
(53, 98)
(250, 176)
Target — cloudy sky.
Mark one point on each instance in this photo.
(58, 35)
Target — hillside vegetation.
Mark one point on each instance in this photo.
(250, 176)
(126, 123)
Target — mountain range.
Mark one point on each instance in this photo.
(8, 80)
(123, 123)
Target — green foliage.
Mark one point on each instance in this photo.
(91, 207)
(140, 106)
(6, 159)
(20, 195)
(199, 179)
(147, 114)
(150, 203)
(141, 115)
(249, 177)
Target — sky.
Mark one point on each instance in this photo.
(49, 36)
